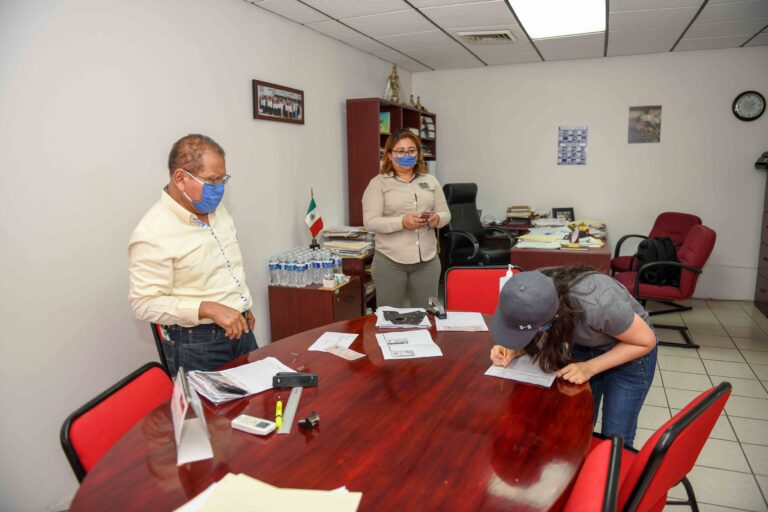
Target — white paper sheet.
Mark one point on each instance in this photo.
(344, 353)
(461, 321)
(384, 324)
(523, 369)
(407, 345)
(253, 378)
(329, 339)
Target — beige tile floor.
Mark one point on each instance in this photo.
(732, 471)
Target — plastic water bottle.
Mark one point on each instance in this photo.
(281, 269)
(290, 271)
(274, 271)
(336, 262)
(327, 263)
(301, 272)
(317, 267)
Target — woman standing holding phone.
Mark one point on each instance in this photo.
(586, 327)
(403, 205)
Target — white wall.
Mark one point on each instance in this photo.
(92, 95)
(498, 127)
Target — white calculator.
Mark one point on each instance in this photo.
(253, 425)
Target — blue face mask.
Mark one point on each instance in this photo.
(405, 161)
(210, 198)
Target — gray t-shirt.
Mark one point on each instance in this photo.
(608, 310)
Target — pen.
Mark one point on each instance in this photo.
(279, 414)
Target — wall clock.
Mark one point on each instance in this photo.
(749, 105)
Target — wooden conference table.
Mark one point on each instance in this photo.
(419, 434)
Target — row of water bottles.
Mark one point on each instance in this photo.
(302, 267)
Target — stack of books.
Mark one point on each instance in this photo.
(519, 214)
(427, 127)
(350, 248)
(347, 233)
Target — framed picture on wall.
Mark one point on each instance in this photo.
(565, 214)
(274, 102)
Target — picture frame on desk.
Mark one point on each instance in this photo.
(564, 213)
(272, 102)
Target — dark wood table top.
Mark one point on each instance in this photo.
(420, 434)
(531, 259)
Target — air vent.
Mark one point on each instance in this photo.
(488, 37)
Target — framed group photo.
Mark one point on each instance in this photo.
(274, 102)
(564, 214)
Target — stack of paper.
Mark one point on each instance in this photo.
(383, 323)
(461, 321)
(242, 493)
(407, 345)
(248, 379)
(524, 244)
(523, 369)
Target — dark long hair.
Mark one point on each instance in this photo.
(553, 347)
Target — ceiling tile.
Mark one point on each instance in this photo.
(436, 3)
(760, 40)
(335, 30)
(352, 8)
(567, 53)
(641, 36)
(504, 54)
(401, 60)
(643, 5)
(477, 14)
(465, 62)
(726, 28)
(439, 52)
(366, 44)
(658, 18)
(734, 11)
(399, 22)
(639, 47)
(710, 43)
(293, 10)
(580, 41)
(417, 40)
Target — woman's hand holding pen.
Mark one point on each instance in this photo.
(412, 221)
(501, 356)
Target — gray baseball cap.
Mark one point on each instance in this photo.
(527, 304)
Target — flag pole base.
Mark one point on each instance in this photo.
(314, 244)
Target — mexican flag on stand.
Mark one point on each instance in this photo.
(313, 219)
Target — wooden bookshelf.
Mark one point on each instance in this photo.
(365, 142)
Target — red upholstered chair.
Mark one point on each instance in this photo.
(596, 488)
(673, 225)
(692, 256)
(669, 455)
(474, 288)
(89, 432)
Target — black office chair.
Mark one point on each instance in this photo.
(464, 238)
(158, 334)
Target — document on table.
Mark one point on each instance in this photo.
(524, 244)
(329, 339)
(523, 369)
(235, 493)
(407, 345)
(461, 321)
(249, 379)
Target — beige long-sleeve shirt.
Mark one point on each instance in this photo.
(388, 199)
(176, 262)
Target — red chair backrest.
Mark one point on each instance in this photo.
(94, 428)
(597, 484)
(674, 225)
(474, 288)
(670, 453)
(695, 251)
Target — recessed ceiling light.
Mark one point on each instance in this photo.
(557, 18)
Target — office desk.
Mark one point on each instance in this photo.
(531, 259)
(420, 434)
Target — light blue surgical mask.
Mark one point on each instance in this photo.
(210, 198)
(406, 161)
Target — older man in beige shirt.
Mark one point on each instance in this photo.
(186, 269)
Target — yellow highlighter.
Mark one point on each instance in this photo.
(279, 414)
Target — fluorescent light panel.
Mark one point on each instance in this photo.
(556, 18)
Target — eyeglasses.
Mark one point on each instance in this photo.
(221, 181)
(402, 151)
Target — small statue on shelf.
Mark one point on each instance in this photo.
(413, 102)
(419, 105)
(392, 92)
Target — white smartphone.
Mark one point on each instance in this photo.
(253, 425)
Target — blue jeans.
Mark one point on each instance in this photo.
(622, 390)
(203, 347)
